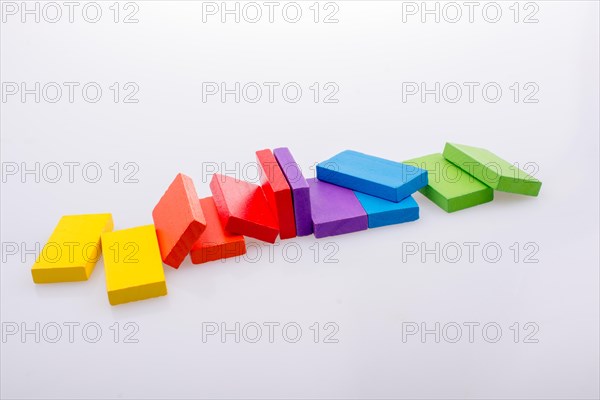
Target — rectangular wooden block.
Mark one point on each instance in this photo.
(300, 190)
(243, 208)
(179, 220)
(215, 242)
(376, 176)
(133, 265)
(72, 250)
(335, 210)
(383, 212)
(491, 169)
(277, 192)
(450, 187)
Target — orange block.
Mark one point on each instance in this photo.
(215, 242)
(179, 220)
(278, 193)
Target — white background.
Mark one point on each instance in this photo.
(376, 288)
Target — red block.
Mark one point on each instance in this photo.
(215, 242)
(277, 192)
(243, 208)
(179, 220)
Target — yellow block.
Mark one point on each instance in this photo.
(134, 269)
(72, 250)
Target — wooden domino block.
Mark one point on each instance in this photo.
(383, 212)
(72, 250)
(300, 191)
(335, 210)
(215, 242)
(450, 187)
(277, 192)
(132, 264)
(179, 220)
(243, 208)
(491, 169)
(375, 176)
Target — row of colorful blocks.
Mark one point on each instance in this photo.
(352, 192)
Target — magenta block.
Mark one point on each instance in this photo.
(335, 210)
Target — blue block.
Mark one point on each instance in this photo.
(376, 176)
(381, 212)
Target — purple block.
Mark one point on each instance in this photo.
(300, 190)
(335, 210)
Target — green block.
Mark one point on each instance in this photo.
(450, 187)
(492, 170)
